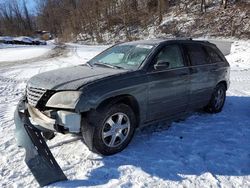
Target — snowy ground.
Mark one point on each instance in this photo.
(22, 52)
(203, 151)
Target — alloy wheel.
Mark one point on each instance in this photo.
(219, 98)
(116, 129)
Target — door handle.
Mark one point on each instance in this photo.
(183, 74)
(192, 71)
(214, 70)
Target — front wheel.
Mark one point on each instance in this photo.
(48, 135)
(114, 127)
(217, 100)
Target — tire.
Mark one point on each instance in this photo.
(48, 135)
(217, 100)
(114, 127)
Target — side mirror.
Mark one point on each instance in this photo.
(161, 65)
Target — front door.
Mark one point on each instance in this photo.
(168, 87)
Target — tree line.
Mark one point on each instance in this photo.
(69, 19)
(15, 18)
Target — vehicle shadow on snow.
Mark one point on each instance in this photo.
(203, 143)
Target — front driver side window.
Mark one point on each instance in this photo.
(172, 55)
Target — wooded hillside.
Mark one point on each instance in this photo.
(103, 20)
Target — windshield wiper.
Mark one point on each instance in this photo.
(108, 65)
(89, 64)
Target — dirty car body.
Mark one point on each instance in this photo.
(152, 85)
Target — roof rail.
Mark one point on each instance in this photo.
(184, 38)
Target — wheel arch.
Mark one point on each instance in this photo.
(224, 83)
(125, 99)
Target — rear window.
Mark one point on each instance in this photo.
(214, 56)
(197, 54)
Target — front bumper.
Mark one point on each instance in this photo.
(38, 157)
(62, 121)
(44, 122)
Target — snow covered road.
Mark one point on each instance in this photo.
(21, 52)
(203, 151)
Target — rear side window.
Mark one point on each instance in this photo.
(197, 54)
(214, 56)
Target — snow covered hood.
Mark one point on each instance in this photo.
(70, 78)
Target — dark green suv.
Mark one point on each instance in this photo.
(126, 86)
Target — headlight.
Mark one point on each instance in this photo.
(64, 99)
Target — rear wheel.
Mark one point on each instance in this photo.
(114, 128)
(217, 100)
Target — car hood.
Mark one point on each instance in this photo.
(71, 78)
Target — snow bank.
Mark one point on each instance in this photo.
(240, 55)
(17, 53)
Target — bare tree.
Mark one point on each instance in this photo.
(224, 3)
(163, 6)
(15, 19)
(203, 6)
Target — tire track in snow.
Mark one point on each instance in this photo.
(10, 92)
(57, 51)
(12, 84)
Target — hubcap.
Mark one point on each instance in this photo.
(116, 129)
(219, 98)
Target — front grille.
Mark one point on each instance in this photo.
(34, 95)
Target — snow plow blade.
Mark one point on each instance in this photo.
(38, 157)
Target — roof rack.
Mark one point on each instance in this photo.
(175, 38)
(183, 38)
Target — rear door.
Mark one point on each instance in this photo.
(168, 88)
(202, 81)
(219, 64)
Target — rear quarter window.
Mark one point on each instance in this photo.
(214, 55)
(196, 54)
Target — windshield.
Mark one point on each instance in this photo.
(123, 56)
